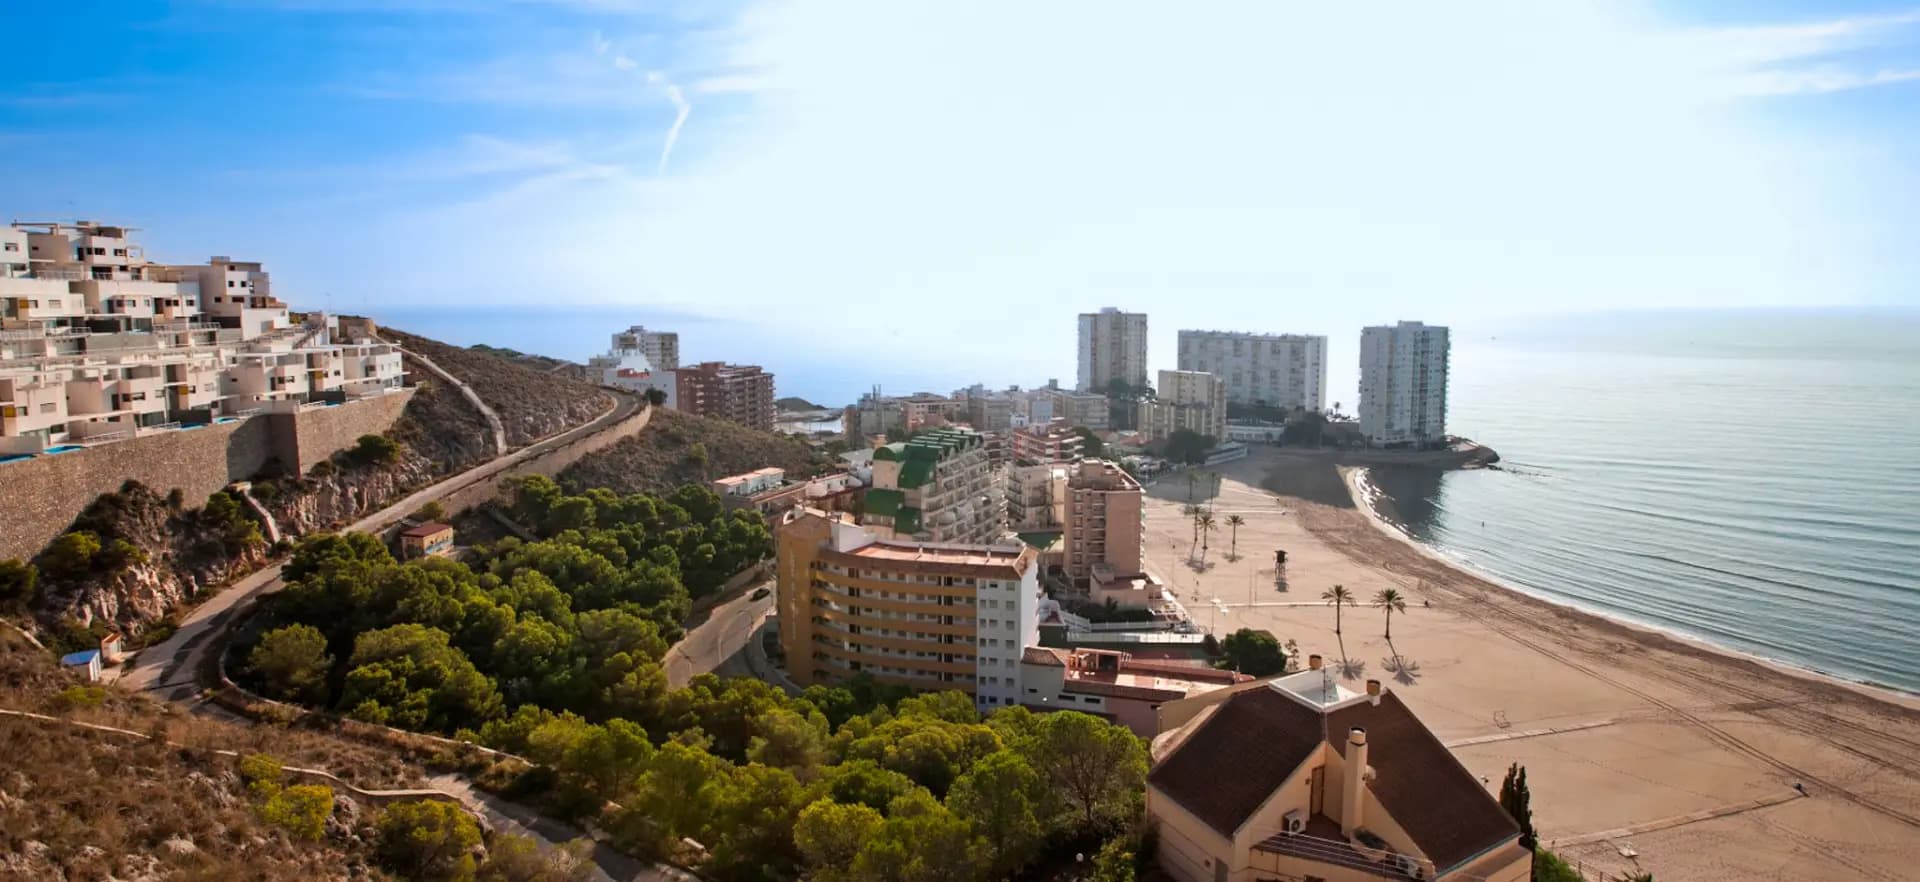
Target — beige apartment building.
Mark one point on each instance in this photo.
(1037, 497)
(930, 616)
(938, 487)
(1089, 409)
(661, 349)
(1054, 441)
(1190, 400)
(1105, 528)
(97, 343)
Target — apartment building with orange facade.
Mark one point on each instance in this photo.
(737, 393)
(930, 616)
(1105, 527)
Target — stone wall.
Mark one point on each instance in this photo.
(549, 461)
(310, 436)
(44, 494)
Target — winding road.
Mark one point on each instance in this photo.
(170, 668)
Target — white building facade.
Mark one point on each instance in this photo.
(1274, 370)
(1113, 346)
(98, 344)
(1192, 400)
(1403, 384)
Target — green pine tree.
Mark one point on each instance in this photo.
(1515, 798)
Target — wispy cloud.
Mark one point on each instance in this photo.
(1816, 57)
(681, 110)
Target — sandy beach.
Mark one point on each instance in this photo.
(1644, 751)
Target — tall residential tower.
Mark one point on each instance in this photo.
(1403, 384)
(1113, 346)
(1274, 370)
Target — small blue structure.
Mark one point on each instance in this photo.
(87, 661)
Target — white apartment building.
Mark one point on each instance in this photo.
(1274, 370)
(1113, 346)
(1403, 384)
(1191, 400)
(97, 343)
(662, 348)
(938, 487)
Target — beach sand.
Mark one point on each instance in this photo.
(1634, 741)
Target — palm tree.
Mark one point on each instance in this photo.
(1390, 600)
(1337, 597)
(1206, 529)
(1193, 511)
(1233, 524)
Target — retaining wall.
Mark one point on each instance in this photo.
(45, 494)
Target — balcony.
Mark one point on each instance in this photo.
(1323, 844)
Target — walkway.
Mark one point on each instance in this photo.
(493, 419)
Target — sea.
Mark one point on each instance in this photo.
(1751, 479)
(1748, 478)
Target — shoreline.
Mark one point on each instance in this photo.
(1364, 495)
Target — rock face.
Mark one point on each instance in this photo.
(153, 554)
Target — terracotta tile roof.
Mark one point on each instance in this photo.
(1122, 690)
(1446, 810)
(1237, 756)
(1044, 655)
(423, 531)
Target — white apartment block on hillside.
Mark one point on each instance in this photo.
(97, 343)
(1403, 384)
(1275, 370)
(1113, 346)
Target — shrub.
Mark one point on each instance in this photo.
(71, 555)
(1548, 867)
(121, 554)
(428, 841)
(176, 498)
(76, 697)
(301, 810)
(377, 449)
(432, 511)
(17, 581)
(321, 469)
(262, 773)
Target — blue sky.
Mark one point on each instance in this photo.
(889, 179)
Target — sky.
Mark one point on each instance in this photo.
(936, 189)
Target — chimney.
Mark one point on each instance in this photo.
(1373, 692)
(1353, 795)
(1313, 662)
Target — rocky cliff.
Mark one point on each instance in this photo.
(134, 555)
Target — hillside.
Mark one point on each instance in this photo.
(532, 402)
(680, 449)
(137, 554)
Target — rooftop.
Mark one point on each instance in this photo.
(1231, 759)
(422, 531)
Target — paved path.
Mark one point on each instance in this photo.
(726, 631)
(493, 419)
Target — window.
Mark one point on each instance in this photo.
(47, 407)
(13, 246)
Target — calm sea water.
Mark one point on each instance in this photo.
(1751, 479)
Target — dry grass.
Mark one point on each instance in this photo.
(532, 403)
(90, 806)
(660, 459)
